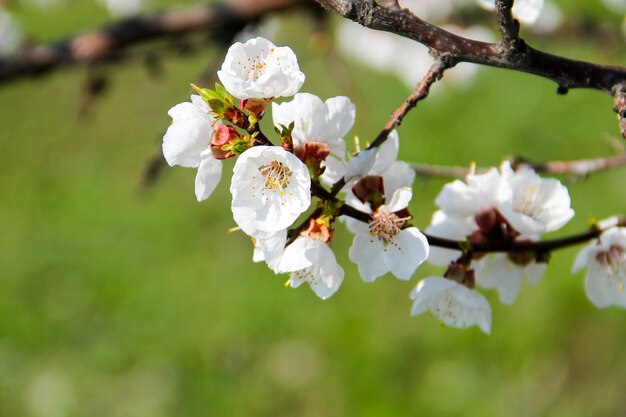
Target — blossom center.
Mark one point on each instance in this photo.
(528, 201)
(255, 66)
(310, 274)
(386, 225)
(614, 261)
(277, 176)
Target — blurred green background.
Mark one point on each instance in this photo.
(121, 301)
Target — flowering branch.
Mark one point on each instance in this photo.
(567, 73)
(540, 247)
(501, 212)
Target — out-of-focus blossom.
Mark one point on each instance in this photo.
(405, 58)
(538, 205)
(504, 273)
(10, 33)
(605, 260)
(527, 11)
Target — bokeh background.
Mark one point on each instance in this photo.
(121, 300)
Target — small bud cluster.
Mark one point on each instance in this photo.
(304, 167)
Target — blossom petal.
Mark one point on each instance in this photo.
(410, 251)
(208, 176)
(400, 199)
(368, 252)
(188, 135)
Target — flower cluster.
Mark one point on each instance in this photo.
(290, 189)
(497, 206)
(272, 185)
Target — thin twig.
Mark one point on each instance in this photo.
(112, 40)
(581, 167)
(509, 27)
(419, 93)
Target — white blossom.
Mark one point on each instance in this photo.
(618, 6)
(398, 175)
(375, 161)
(537, 205)
(527, 11)
(384, 246)
(460, 201)
(187, 143)
(10, 34)
(318, 122)
(498, 271)
(479, 192)
(311, 260)
(549, 20)
(448, 227)
(380, 51)
(260, 69)
(454, 304)
(530, 204)
(605, 260)
(270, 189)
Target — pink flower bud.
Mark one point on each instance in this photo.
(222, 136)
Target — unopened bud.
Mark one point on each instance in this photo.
(222, 140)
(461, 273)
(313, 154)
(319, 229)
(255, 105)
(370, 190)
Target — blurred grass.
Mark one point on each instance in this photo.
(120, 302)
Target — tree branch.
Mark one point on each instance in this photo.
(539, 247)
(567, 73)
(110, 41)
(509, 27)
(581, 167)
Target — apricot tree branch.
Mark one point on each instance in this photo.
(538, 247)
(113, 40)
(509, 27)
(567, 73)
(581, 167)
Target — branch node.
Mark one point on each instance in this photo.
(562, 90)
